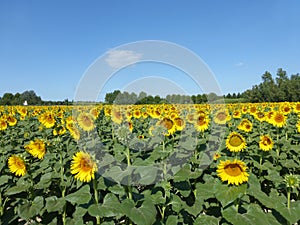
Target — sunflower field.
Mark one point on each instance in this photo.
(150, 164)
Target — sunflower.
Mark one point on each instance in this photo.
(221, 117)
(296, 107)
(237, 114)
(11, 120)
(3, 124)
(245, 125)
(233, 171)
(179, 123)
(266, 143)
(59, 130)
(130, 125)
(202, 123)
(216, 156)
(278, 119)
(260, 116)
(116, 116)
(137, 113)
(297, 126)
(85, 121)
(73, 131)
(36, 148)
(235, 142)
(17, 165)
(83, 166)
(47, 119)
(285, 108)
(168, 124)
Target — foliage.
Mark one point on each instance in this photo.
(126, 146)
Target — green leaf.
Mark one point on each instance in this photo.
(29, 210)
(147, 174)
(184, 187)
(254, 215)
(206, 220)
(54, 204)
(176, 203)
(81, 196)
(4, 179)
(292, 214)
(171, 220)
(16, 190)
(109, 208)
(144, 215)
(227, 194)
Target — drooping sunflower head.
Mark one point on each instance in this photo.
(83, 166)
(235, 142)
(278, 119)
(266, 143)
(17, 165)
(234, 172)
(85, 121)
(36, 148)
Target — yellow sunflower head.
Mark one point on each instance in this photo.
(297, 126)
(245, 125)
(179, 123)
(266, 143)
(85, 121)
(11, 120)
(278, 119)
(47, 119)
(83, 166)
(17, 165)
(296, 107)
(202, 123)
(235, 142)
(3, 124)
(221, 117)
(36, 148)
(168, 124)
(234, 172)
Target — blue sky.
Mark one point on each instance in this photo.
(47, 46)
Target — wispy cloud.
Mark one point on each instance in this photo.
(239, 64)
(119, 58)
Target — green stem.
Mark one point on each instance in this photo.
(63, 188)
(288, 198)
(1, 206)
(98, 219)
(260, 163)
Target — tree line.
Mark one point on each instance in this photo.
(282, 88)
(28, 98)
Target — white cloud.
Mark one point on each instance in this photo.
(119, 58)
(239, 64)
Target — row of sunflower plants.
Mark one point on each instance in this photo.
(150, 164)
